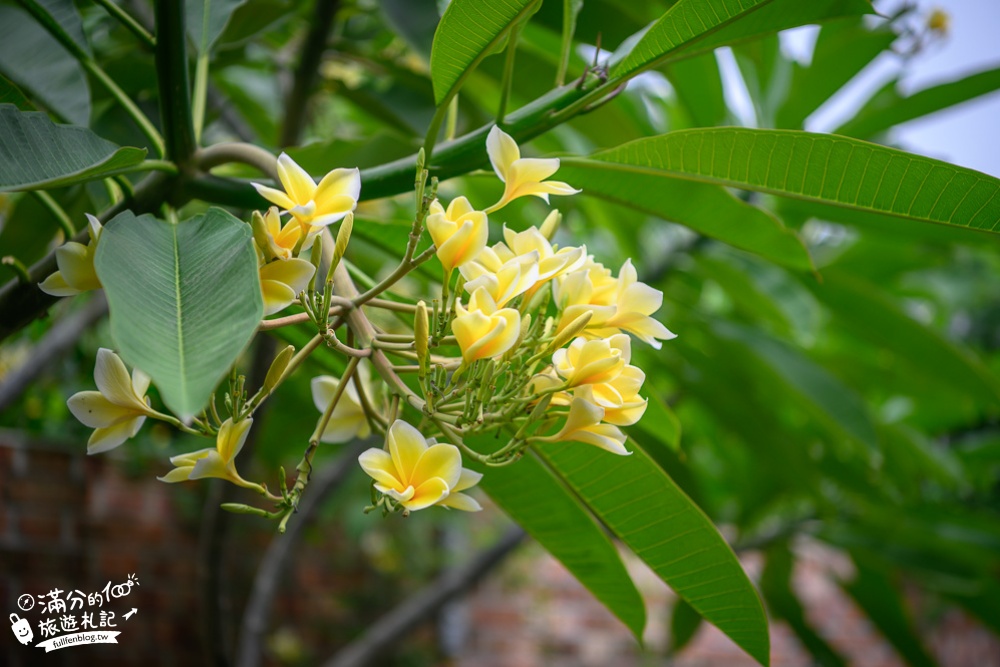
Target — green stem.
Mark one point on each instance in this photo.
(200, 91)
(172, 79)
(130, 23)
(56, 210)
(248, 154)
(570, 9)
(130, 107)
(508, 73)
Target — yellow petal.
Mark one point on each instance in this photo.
(274, 196)
(177, 475)
(103, 439)
(503, 151)
(96, 411)
(430, 492)
(440, 460)
(460, 501)
(377, 463)
(339, 183)
(231, 438)
(467, 480)
(114, 382)
(406, 445)
(76, 264)
(277, 296)
(292, 272)
(297, 182)
(56, 285)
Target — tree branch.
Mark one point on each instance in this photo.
(172, 78)
(297, 101)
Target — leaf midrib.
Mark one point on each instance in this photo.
(182, 366)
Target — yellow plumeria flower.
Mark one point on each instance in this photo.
(281, 281)
(348, 420)
(76, 265)
(619, 398)
(583, 424)
(274, 239)
(311, 204)
(502, 279)
(521, 176)
(591, 285)
(635, 302)
(483, 330)
(218, 461)
(592, 361)
(552, 263)
(459, 233)
(118, 409)
(418, 473)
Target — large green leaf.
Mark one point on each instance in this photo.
(693, 26)
(62, 20)
(653, 517)
(39, 65)
(185, 299)
(35, 153)
(467, 33)
(833, 170)
(698, 84)
(707, 209)
(889, 107)
(550, 513)
(205, 20)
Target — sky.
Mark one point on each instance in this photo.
(968, 135)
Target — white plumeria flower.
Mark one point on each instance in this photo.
(118, 409)
(314, 205)
(521, 176)
(76, 265)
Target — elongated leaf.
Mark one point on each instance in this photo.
(39, 65)
(684, 624)
(698, 84)
(875, 593)
(206, 19)
(767, 74)
(833, 170)
(864, 308)
(546, 509)
(694, 26)
(775, 584)
(185, 299)
(467, 33)
(843, 49)
(646, 510)
(36, 154)
(709, 210)
(824, 395)
(889, 108)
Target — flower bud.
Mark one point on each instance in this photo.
(421, 331)
(572, 330)
(260, 235)
(277, 368)
(551, 224)
(343, 237)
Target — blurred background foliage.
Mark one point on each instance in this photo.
(855, 403)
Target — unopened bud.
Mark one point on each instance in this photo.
(240, 508)
(260, 237)
(421, 332)
(572, 330)
(551, 224)
(277, 368)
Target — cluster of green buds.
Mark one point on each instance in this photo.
(526, 343)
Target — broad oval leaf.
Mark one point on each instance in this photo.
(829, 169)
(467, 33)
(533, 497)
(35, 153)
(707, 209)
(641, 505)
(185, 299)
(699, 25)
(39, 65)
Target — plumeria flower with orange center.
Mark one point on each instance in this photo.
(281, 281)
(583, 424)
(348, 420)
(483, 330)
(277, 240)
(521, 176)
(310, 204)
(502, 279)
(592, 361)
(218, 461)
(118, 409)
(459, 233)
(418, 473)
(76, 265)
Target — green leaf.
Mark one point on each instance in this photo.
(843, 49)
(185, 299)
(698, 84)
(823, 394)
(684, 624)
(706, 209)
(37, 154)
(467, 33)
(11, 94)
(546, 509)
(62, 20)
(866, 309)
(700, 25)
(660, 422)
(889, 108)
(876, 595)
(39, 65)
(205, 20)
(828, 169)
(633, 497)
(767, 74)
(783, 603)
